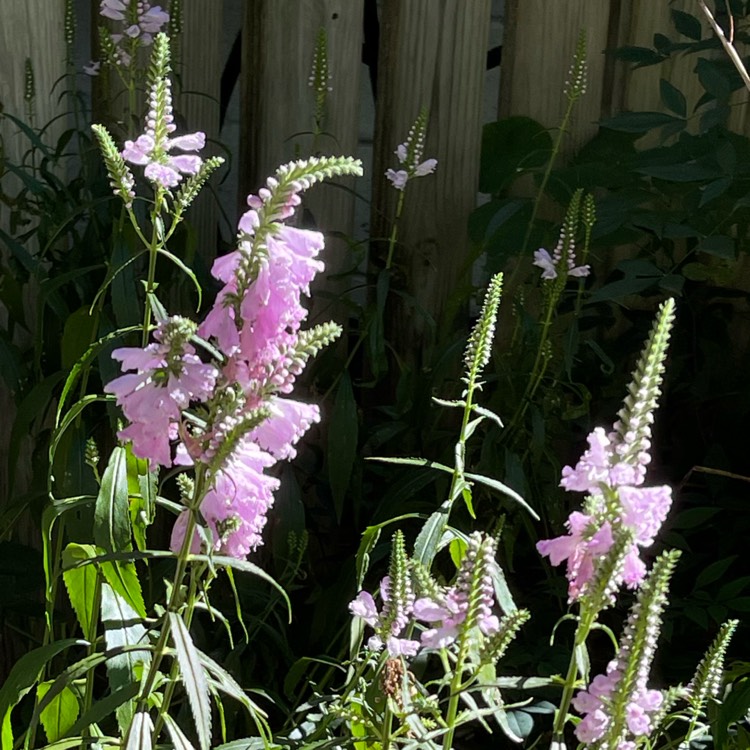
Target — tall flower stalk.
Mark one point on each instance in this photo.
(620, 516)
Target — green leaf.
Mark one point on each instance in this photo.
(713, 572)
(690, 171)
(639, 122)
(187, 271)
(60, 713)
(83, 362)
(82, 585)
(111, 513)
(428, 539)
(457, 549)
(22, 677)
(511, 147)
(104, 708)
(687, 24)
(674, 100)
(719, 245)
(245, 566)
(713, 78)
(122, 628)
(505, 490)
(714, 190)
(193, 678)
(139, 732)
(179, 741)
(342, 442)
(122, 576)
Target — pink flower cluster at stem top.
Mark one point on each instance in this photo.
(230, 417)
(607, 480)
(140, 22)
(443, 612)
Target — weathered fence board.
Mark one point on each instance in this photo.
(278, 105)
(432, 54)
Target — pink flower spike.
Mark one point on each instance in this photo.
(397, 179)
(188, 142)
(425, 168)
(543, 260)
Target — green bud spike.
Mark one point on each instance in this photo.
(638, 643)
(194, 183)
(575, 86)
(120, 177)
(706, 682)
(496, 645)
(636, 416)
(400, 592)
(479, 345)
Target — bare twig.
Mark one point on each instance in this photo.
(728, 46)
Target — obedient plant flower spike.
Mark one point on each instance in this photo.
(494, 647)
(479, 345)
(70, 29)
(618, 706)
(399, 598)
(120, 177)
(633, 428)
(194, 183)
(575, 85)
(320, 78)
(475, 583)
(706, 682)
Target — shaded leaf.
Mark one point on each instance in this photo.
(193, 678)
(342, 442)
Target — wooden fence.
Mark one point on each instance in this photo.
(430, 53)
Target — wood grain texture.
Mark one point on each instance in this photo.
(197, 105)
(540, 41)
(432, 54)
(278, 106)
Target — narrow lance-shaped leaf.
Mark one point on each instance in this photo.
(193, 678)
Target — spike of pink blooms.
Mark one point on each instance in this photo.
(152, 399)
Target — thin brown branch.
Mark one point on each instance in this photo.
(728, 46)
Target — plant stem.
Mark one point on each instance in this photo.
(153, 251)
(579, 640)
(394, 229)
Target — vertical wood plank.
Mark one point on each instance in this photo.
(432, 54)
(278, 106)
(198, 105)
(538, 49)
(34, 30)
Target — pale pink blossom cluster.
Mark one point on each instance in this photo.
(389, 623)
(410, 155)
(445, 609)
(640, 512)
(594, 703)
(238, 425)
(141, 21)
(553, 264)
(153, 148)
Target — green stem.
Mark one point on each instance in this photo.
(561, 131)
(581, 634)
(153, 251)
(455, 695)
(394, 228)
(537, 371)
(175, 600)
(385, 737)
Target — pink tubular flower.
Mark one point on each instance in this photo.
(236, 505)
(152, 150)
(554, 264)
(168, 377)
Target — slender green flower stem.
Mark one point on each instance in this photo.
(537, 371)
(561, 131)
(579, 640)
(394, 229)
(455, 694)
(183, 559)
(385, 737)
(195, 576)
(153, 251)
